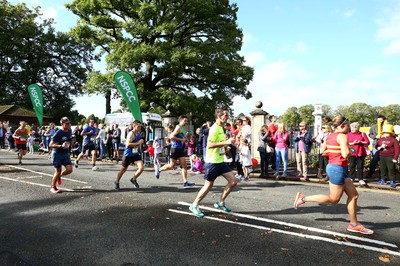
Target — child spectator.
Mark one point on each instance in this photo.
(245, 157)
(150, 151)
(191, 144)
(30, 143)
(389, 154)
(197, 164)
(157, 151)
(228, 157)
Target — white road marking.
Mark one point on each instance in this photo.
(31, 183)
(311, 229)
(41, 173)
(383, 250)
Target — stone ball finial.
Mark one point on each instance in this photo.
(259, 104)
(168, 106)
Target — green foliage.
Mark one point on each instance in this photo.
(363, 113)
(179, 52)
(32, 52)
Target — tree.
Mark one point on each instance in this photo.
(306, 114)
(32, 52)
(291, 118)
(392, 113)
(172, 48)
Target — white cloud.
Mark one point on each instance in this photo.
(50, 13)
(389, 31)
(284, 83)
(349, 13)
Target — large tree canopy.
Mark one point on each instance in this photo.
(171, 47)
(32, 52)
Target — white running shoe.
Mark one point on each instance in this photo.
(95, 168)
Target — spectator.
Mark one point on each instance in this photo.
(358, 141)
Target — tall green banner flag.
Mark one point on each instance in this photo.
(37, 101)
(127, 88)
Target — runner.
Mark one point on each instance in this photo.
(336, 147)
(132, 155)
(60, 144)
(89, 137)
(21, 137)
(177, 152)
(215, 165)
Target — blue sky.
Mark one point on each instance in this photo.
(333, 52)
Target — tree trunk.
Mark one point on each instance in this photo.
(108, 102)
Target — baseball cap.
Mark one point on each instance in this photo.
(65, 120)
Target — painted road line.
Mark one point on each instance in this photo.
(319, 238)
(311, 229)
(41, 173)
(32, 183)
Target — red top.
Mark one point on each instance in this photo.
(23, 136)
(150, 150)
(333, 150)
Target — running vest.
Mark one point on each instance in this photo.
(130, 152)
(23, 136)
(333, 150)
(176, 144)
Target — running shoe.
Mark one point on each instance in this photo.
(239, 177)
(305, 178)
(59, 181)
(284, 175)
(362, 182)
(276, 174)
(95, 168)
(222, 206)
(196, 211)
(157, 171)
(116, 185)
(359, 229)
(299, 200)
(19, 163)
(188, 185)
(381, 182)
(54, 190)
(392, 184)
(135, 183)
(76, 164)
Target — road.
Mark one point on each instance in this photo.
(91, 224)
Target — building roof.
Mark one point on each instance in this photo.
(14, 110)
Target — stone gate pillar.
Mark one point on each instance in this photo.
(168, 119)
(258, 118)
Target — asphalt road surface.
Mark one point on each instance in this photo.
(91, 224)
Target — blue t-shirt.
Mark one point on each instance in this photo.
(59, 138)
(90, 138)
(130, 152)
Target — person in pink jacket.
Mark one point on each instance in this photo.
(358, 142)
(281, 139)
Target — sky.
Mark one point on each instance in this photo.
(334, 52)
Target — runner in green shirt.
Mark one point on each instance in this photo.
(215, 165)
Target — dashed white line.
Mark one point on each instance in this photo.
(46, 174)
(31, 183)
(311, 229)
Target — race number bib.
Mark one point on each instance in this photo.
(93, 139)
(221, 151)
(22, 138)
(135, 150)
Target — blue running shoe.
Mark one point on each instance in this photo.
(381, 182)
(196, 211)
(188, 185)
(392, 184)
